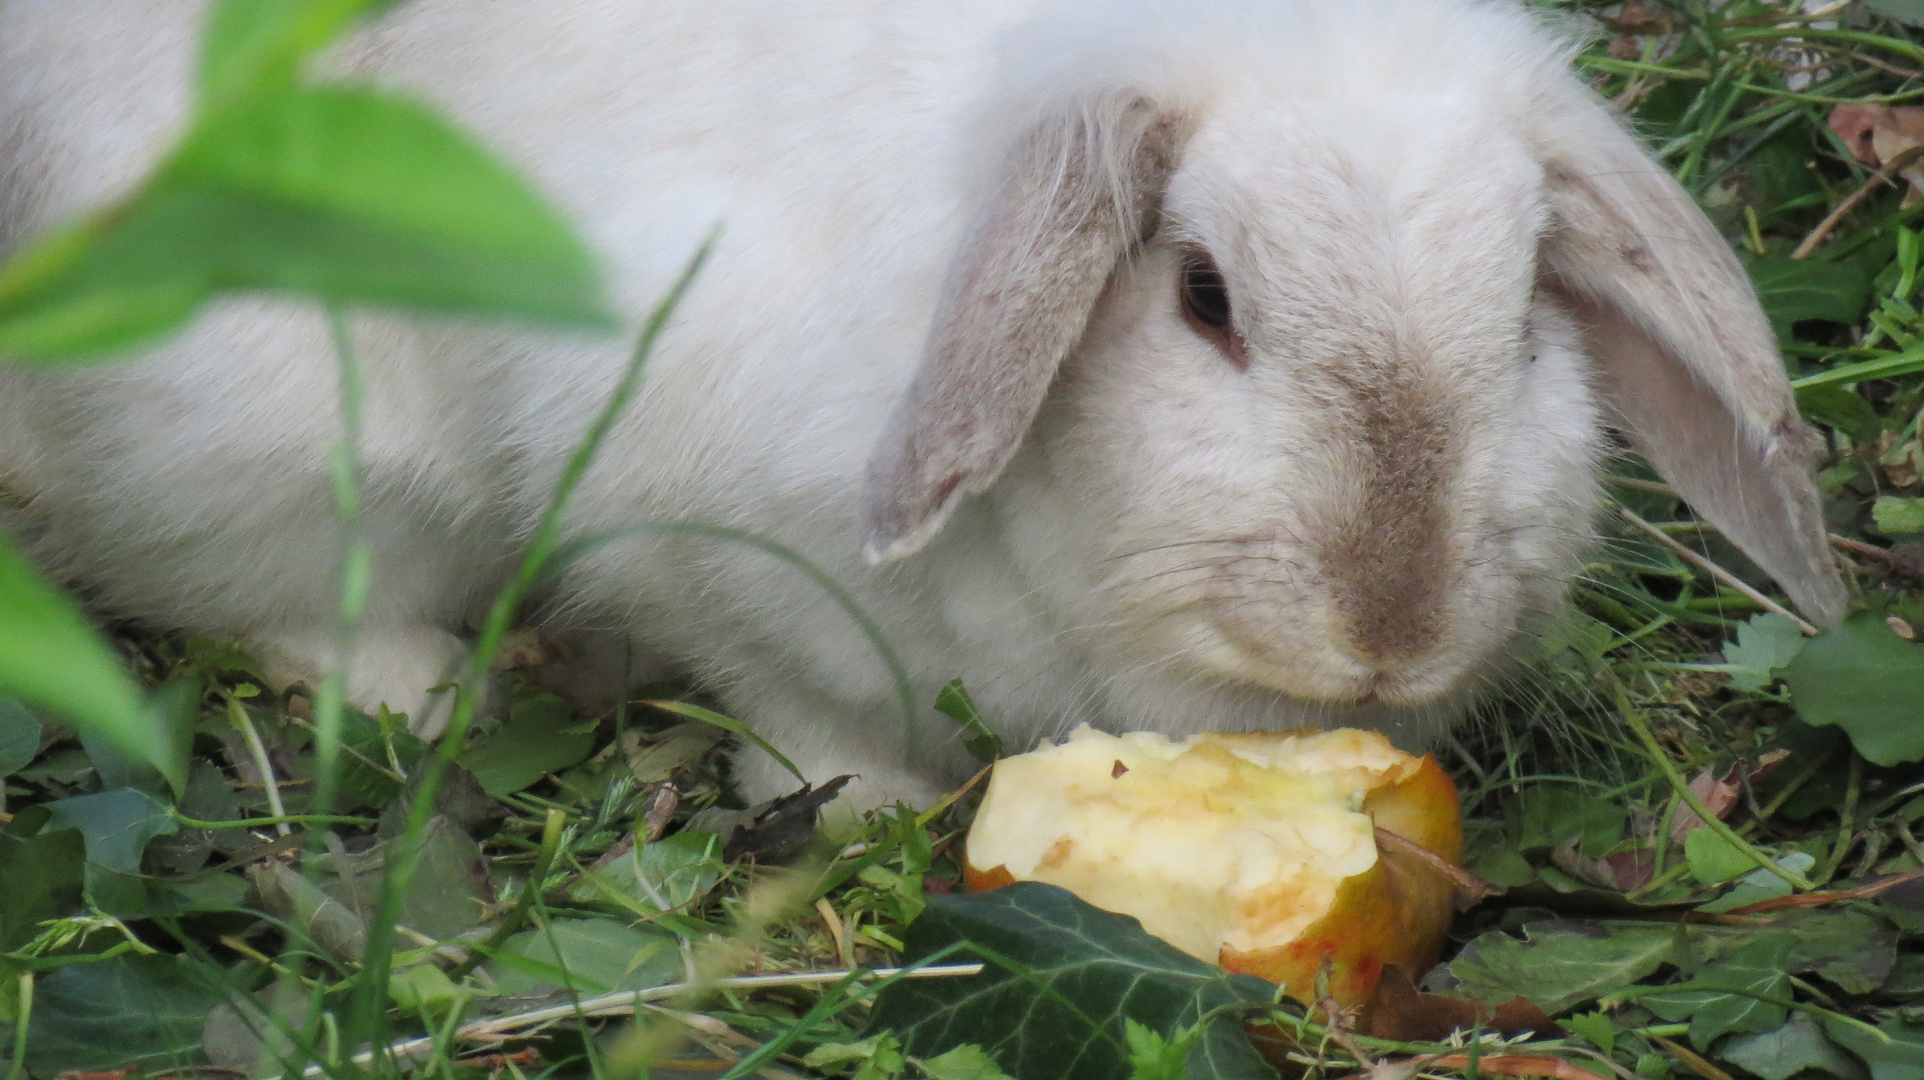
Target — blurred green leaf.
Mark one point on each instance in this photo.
(675, 870)
(1714, 860)
(252, 46)
(41, 878)
(540, 737)
(1793, 290)
(954, 702)
(1868, 681)
(1909, 12)
(733, 727)
(1838, 406)
(1894, 514)
(342, 194)
(965, 1062)
(52, 657)
(145, 1011)
(20, 733)
(590, 955)
(1552, 814)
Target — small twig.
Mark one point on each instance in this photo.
(1884, 175)
(1722, 575)
(1861, 892)
(626, 1002)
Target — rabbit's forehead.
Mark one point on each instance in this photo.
(1428, 196)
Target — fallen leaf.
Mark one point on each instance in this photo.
(1518, 1065)
(1878, 133)
(1719, 795)
(1402, 1013)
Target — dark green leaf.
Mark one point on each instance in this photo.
(51, 656)
(41, 877)
(954, 702)
(1842, 408)
(1865, 679)
(130, 1010)
(540, 737)
(1554, 814)
(20, 733)
(1746, 991)
(1798, 1045)
(1062, 978)
(117, 825)
(1896, 515)
(1793, 290)
(1897, 1056)
(1563, 964)
(1910, 12)
(343, 194)
(591, 955)
(371, 754)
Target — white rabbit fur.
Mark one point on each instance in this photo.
(1409, 199)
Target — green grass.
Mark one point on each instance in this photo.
(270, 898)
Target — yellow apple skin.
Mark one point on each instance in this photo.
(1396, 912)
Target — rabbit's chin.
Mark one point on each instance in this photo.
(1316, 673)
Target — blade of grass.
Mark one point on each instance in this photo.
(369, 1010)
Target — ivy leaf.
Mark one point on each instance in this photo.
(1798, 1045)
(1563, 964)
(1747, 991)
(1868, 681)
(143, 1011)
(20, 733)
(1062, 981)
(117, 825)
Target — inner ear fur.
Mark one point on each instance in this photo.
(1079, 191)
(1685, 356)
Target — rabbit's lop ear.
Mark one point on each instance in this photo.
(1685, 355)
(1079, 190)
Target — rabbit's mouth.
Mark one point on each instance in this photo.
(1318, 669)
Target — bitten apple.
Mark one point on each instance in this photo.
(1257, 852)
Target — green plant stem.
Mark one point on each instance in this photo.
(1682, 786)
(237, 716)
(356, 564)
(551, 830)
(283, 819)
(1846, 821)
(18, 1070)
(369, 1014)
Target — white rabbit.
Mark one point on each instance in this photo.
(1177, 364)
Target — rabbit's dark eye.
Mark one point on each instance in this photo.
(1205, 304)
(1205, 296)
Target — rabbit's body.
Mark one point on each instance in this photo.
(1340, 507)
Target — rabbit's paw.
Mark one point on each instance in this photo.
(403, 668)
